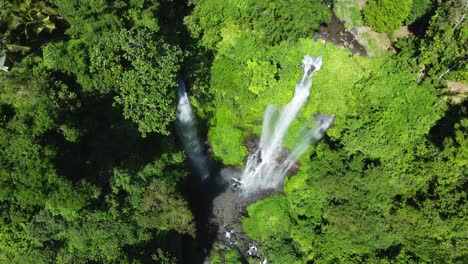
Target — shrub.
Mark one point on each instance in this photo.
(386, 15)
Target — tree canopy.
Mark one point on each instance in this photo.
(386, 15)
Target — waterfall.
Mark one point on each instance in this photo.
(269, 164)
(188, 133)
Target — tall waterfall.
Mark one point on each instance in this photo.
(268, 165)
(188, 134)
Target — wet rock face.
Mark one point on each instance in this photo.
(311, 70)
(283, 157)
(228, 206)
(266, 166)
(336, 33)
(252, 143)
(325, 121)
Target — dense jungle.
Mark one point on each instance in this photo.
(92, 169)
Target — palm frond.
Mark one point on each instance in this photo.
(17, 48)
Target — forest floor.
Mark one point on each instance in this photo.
(458, 90)
(457, 87)
(348, 15)
(360, 40)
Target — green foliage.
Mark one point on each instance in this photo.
(28, 114)
(152, 197)
(408, 52)
(140, 68)
(262, 73)
(70, 133)
(164, 209)
(22, 22)
(357, 196)
(419, 9)
(67, 200)
(270, 224)
(98, 237)
(401, 112)
(268, 219)
(280, 251)
(88, 20)
(143, 70)
(208, 18)
(444, 47)
(358, 211)
(78, 184)
(33, 17)
(6, 47)
(129, 59)
(386, 15)
(308, 203)
(233, 257)
(225, 140)
(36, 200)
(138, 203)
(222, 255)
(49, 215)
(70, 57)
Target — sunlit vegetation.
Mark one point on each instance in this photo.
(386, 15)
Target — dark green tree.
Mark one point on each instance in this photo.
(143, 71)
(35, 200)
(276, 21)
(419, 9)
(271, 21)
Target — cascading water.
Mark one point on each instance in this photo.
(307, 137)
(188, 134)
(267, 167)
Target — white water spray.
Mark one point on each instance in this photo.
(188, 133)
(268, 165)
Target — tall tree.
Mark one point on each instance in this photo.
(386, 15)
(143, 71)
(444, 48)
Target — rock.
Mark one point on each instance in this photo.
(253, 251)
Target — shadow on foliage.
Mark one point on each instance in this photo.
(201, 196)
(445, 127)
(420, 26)
(105, 140)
